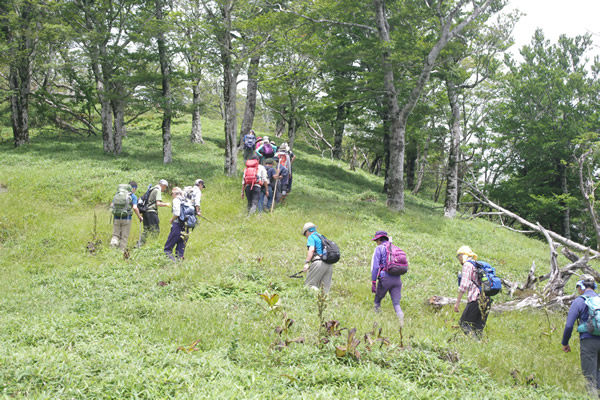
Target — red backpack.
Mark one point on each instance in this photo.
(397, 263)
(251, 173)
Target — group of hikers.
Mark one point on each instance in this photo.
(185, 210)
(267, 178)
(477, 280)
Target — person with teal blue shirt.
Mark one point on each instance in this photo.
(319, 273)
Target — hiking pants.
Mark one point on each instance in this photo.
(175, 239)
(121, 228)
(248, 153)
(589, 351)
(472, 321)
(151, 225)
(393, 285)
(319, 274)
(272, 193)
(261, 199)
(252, 195)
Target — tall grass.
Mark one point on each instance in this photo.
(77, 325)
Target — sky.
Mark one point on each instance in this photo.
(555, 17)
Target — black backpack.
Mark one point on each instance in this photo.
(142, 204)
(331, 251)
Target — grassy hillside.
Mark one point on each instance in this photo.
(81, 325)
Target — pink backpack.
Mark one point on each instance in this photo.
(397, 263)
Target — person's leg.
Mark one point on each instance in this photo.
(588, 350)
(116, 236)
(261, 199)
(396, 295)
(469, 317)
(151, 226)
(327, 275)
(172, 240)
(125, 229)
(315, 274)
(270, 198)
(255, 195)
(380, 292)
(248, 193)
(181, 243)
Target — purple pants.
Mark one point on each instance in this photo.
(393, 285)
(175, 239)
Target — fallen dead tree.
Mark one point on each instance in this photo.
(529, 295)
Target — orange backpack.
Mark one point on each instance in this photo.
(251, 173)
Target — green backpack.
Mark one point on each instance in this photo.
(122, 204)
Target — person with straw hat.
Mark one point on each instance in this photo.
(474, 316)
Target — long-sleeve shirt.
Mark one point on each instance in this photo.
(578, 311)
(379, 261)
(469, 281)
(176, 207)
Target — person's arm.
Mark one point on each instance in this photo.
(309, 255)
(176, 210)
(465, 283)
(574, 312)
(137, 212)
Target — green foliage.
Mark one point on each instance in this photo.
(76, 325)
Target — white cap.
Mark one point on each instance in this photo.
(163, 182)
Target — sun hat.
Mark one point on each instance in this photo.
(466, 250)
(380, 234)
(586, 280)
(309, 226)
(199, 182)
(163, 182)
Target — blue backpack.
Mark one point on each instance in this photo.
(249, 141)
(490, 283)
(187, 215)
(592, 325)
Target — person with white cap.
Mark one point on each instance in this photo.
(151, 221)
(474, 316)
(319, 273)
(197, 195)
(582, 309)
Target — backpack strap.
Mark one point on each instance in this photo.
(476, 266)
(387, 259)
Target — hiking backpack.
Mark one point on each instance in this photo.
(122, 202)
(331, 251)
(284, 159)
(397, 262)
(249, 141)
(592, 325)
(251, 173)
(143, 201)
(189, 195)
(490, 283)
(267, 150)
(187, 214)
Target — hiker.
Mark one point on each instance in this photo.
(154, 200)
(177, 236)
(197, 195)
(318, 271)
(290, 157)
(252, 181)
(382, 281)
(265, 150)
(264, 188)
(277, 178)
(123, 206)
(249, 143)
(589, 342)
(472, 320)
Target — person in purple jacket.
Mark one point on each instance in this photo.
(387, 283)
(589, 345)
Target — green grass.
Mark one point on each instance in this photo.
(76, 325)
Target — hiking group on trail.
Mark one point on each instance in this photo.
(267, 178)
(185, 210)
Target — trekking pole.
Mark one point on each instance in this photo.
(297, 274)
(275, 189)
(206, 219)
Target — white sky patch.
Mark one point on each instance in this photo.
(556, 17)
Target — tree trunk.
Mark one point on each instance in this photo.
(118, 108)
(422, 157)
(279, 127)
(229, 94)
(251, 91)
(165, 71)
(451, 203)
(587, 187)
(566, 223)
(338, 130)
(20, 86)
(196, 133)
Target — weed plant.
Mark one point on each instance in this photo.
(77, 324)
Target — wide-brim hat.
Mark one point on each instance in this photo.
(380, 234)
